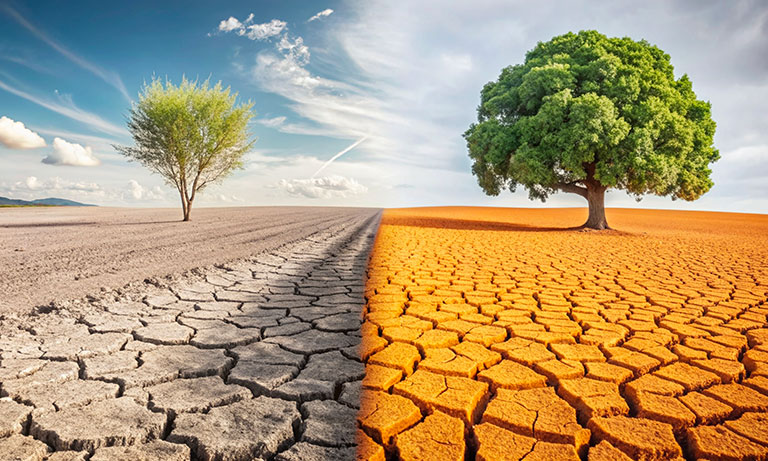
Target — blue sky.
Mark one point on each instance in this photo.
(398, 81)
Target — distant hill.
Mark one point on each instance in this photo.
(51, 201)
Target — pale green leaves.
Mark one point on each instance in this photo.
(193, 134)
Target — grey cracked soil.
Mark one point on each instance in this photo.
(230, 362)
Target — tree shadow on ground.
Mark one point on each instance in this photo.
(48, 224)
(468, 224)
(476, 225)
(85, 223)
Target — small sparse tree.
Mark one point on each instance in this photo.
(192, 135)
(585, 113)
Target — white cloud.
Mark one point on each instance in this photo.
(228, 25)
(139, 192)
(322, 188)
(262, 31)
(325, 13)
(15, 135)
(136, 190)
(71, 154)
(265, 30)
(32, 183)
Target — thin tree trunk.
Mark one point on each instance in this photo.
(184, 206)
(188, 211)
(596, 201)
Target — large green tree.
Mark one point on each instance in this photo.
(585, 113)
(192, 135)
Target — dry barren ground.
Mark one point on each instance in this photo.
(495, 334)
(253, 359)
(53, 254)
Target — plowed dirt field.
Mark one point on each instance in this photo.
(498, 334)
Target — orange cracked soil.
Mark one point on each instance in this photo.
(498, 334)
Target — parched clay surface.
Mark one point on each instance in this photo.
(487, 337)
(254, 359)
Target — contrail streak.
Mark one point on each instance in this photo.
(355, 144)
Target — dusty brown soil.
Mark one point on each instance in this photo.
(49, 254)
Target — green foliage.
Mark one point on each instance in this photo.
(192, 134)
(585, 110)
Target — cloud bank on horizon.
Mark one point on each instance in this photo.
(404, 80)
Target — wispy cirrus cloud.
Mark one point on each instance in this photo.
(323, 14)
(14, 135)
(108, 76)
(28, 63)
(273, 122)
(368, 103)
(66, 107)
(80, 137)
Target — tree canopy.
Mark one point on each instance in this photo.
(585, 112)
(193, 134)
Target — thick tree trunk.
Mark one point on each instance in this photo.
(596, 201)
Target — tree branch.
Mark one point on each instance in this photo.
(572, 188)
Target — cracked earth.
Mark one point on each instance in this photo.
(467, 334)
(489, 339)
(255, 359)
